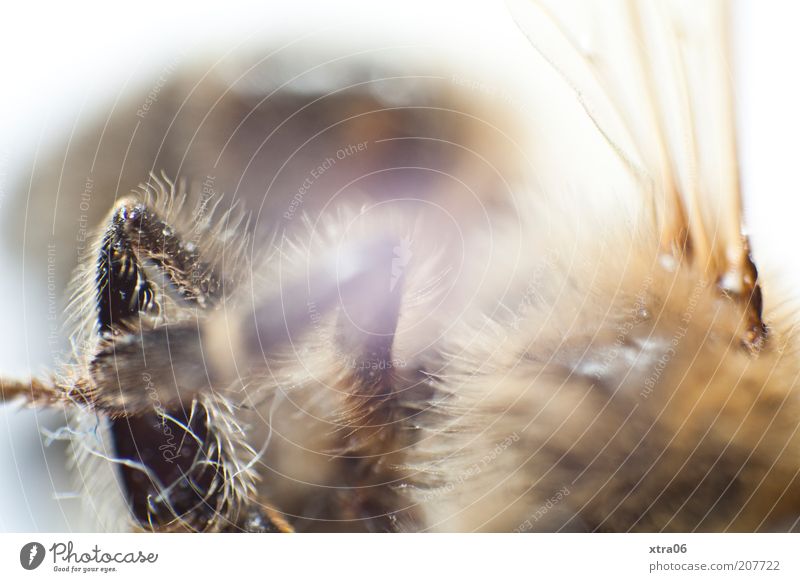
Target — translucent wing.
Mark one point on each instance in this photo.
(654, 78)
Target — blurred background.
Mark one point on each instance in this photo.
(95, 97)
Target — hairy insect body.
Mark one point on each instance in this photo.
(637, 399)
(423, 399)
(415, 354)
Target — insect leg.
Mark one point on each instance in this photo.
(131, 351)
(35, 392)
(137, 233)
(173, 443)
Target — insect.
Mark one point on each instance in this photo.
(405, 366)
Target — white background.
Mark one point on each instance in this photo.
(406, 557)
